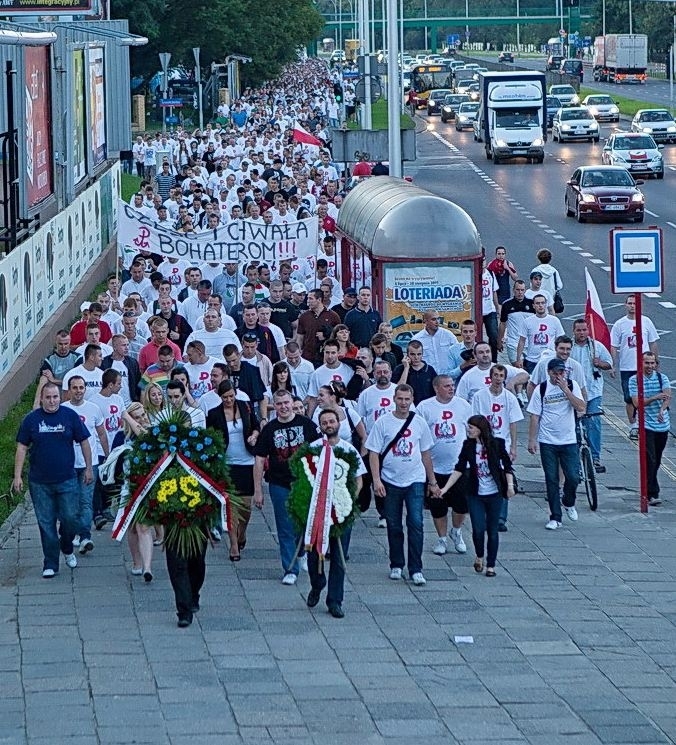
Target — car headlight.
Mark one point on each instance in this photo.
(671, 129)
(575, 100)
(448, 109)
(431, 102)
(593, 125)
(637, 197)
(463, 118)
(657, 157)
(501, 143)
(647, 130)
(565, 127)
(614, 110)
(538, 142)
(588, 198)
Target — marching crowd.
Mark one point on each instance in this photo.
(275, 356)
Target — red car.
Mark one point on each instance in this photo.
(604, 193)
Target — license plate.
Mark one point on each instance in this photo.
(519, 152)
(580, 130)
(616, 207)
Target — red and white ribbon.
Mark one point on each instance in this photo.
(319, 519)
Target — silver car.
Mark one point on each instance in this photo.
(566, 94)
(602, 107)
(638, 153)
(575, 124)
(466, 114)
(658, 123)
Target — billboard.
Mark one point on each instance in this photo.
(412, 289)
(78, 117)
(97, 106)
(45, 7)
(37, 101)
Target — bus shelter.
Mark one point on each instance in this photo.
(422, 252)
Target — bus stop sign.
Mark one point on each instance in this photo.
(636, 262)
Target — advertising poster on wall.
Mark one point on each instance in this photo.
(27, 290)
(411, 290)
(37, 95)
(11, 342)
(97, 106)
(40, 7)
(78, 114)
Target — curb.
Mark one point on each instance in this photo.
(15, 517)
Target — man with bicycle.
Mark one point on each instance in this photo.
(553, 407)
(594, 359)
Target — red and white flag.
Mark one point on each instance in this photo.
(593, 313)
(304, 137)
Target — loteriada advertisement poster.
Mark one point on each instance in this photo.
(411, 290)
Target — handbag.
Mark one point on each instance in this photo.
(558, 299)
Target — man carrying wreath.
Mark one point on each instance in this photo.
(329, 426)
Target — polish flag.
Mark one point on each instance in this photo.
(593, 313)
(304, 137)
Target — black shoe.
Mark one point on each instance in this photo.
(148, 576)
(194, 608)
(313, 597)
(184, 622)
(502, 528)
(109, 516)
(100, 522)
(336, 611)
(598, 467)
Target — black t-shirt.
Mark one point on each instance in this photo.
(278, 441)
(516, 306)
(341, 311)
(283, 315)
(419, 380)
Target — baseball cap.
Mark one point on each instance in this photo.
(350, 291)
(556, 364)
(299, 288)
(84, 306)
(536, 274)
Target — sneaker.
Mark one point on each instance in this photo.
(571, 512)
(48, 573)
(418, 579)
(441, 548)
(552, 525)
(598, 467)
(382, 522)
(71, 560)
(100, 522)
(302, 562)
(633, 432)
(136, 572)
(289, 579)
(458, 541)
(654, 501)
(215, 534)
(86, 545)
(395, 573)
(76, 541)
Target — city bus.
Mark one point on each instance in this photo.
(425, 78)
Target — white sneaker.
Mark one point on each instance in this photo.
(86, 545)
(552, 525)
(571, 512)
(441, 548)
(395, 573)
(48, 573)
(382, 522)
(289, 579)
(76, 541)
(633, 431)
(71, 560)
(302, 562)
(458, 540)
(418, 579)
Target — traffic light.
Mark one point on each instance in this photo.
(338, 92)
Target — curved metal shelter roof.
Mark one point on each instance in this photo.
(393, 219)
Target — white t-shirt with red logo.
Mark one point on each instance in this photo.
(446, 423)
(623, 337)
(475, 379)
(91, 416)
(402, 464)
(324, 375)
(489, 285)
(374, 402)
(501, 411)
(112, 408)
(487, 483)
(200, 377)
(539, 334)
(174, 274)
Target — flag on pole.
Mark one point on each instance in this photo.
(593, 313)
(304, 137)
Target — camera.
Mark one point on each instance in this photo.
(596, 374)
(467, 354)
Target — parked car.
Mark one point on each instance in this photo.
(604, 192)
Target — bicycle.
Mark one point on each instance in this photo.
(587, 471)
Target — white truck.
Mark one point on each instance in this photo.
(620, 58)
(512, 119)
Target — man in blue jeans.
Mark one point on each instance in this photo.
(553, 407)
(400, 446)
(278, 441)
(49, 433)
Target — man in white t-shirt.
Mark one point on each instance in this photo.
(538, 333)
(198, 368)
(301, 369)
(502, 410)
(332, 371)
(446, 416)
(138, 283)
(264, 316)
(400, 446)
(489, 309)
(211, 399)
(90, 371)
(535, 288)
(552, 428)
(436, 342)
(563, 346)
(479, 376)
(173, 270)
(213, 336)
(623, 350)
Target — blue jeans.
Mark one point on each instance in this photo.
(395, 498)
(484, 511)
(54, 502)
(568, 458)
(593, 426)
(286, 533)
(334, 595)
(491, 325)
(504, 510)
(85, 502)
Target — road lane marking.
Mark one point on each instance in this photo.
(667, 304)
(671, 223)
(652, 214)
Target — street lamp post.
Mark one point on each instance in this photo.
(165, 58)
(198, 80)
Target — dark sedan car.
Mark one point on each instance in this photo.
(553, 105)
(505, 57)
(604, 193)
(451, 104)
(435, 100)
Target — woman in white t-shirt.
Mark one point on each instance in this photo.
(491, 477)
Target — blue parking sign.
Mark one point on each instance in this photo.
(453, 39)
(636, 263)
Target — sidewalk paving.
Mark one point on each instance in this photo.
(574, 642)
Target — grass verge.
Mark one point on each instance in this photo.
(627, 106)
(380, 119)
(130, 184)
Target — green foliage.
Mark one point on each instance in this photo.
(130, 185)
